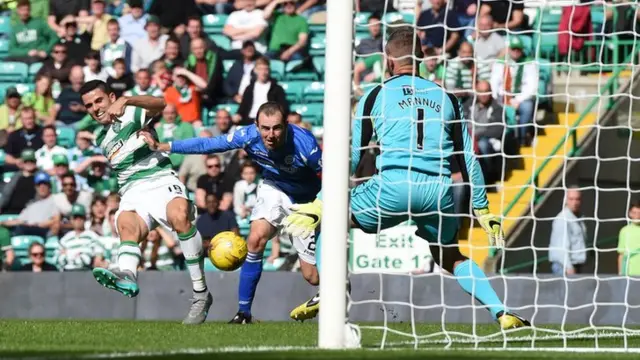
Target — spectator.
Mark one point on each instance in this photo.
(193, 166)
(289, 31)
(372, 44)
(463, 72)
(516, 84)
(31, 39)
(432, 24)
(121, 81)
(466, 11)
(37, 254)
(214, 6)
(93, 68)
(84, 150)
(37, 218)
(7, 255)
(132, 25)
(212, 183)
(60, 170)
(369, 69)
(44, 155)
(96, 24)
(506, 14)
(214, 221)
(241, 72)
(28, 137)
(67, 198)
(194, 31)
(42, 100)
(489, 44)
(568, 241)
(184, 94)
(70, 106)
(161, 77)
(171, 55)
(20, 189)
(62, 11)
(245, 191)
(261, 89)
(488, 129)
(39, 9)
(206, 64)
(80, 249)
(157, 253)
(294, 118)
(115, 48)
(78, 45)
(171, 16)
(172, 128)
(58, 66)
(110, 241)
(248, 23)
(310, 7)
(99, 180)
(628, 244)
(430, 68)
(10, 110)
(143, 85)
(382, 6)
(149, 48)
(223, 125)
(98, 215)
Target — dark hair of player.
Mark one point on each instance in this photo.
(271, 108)
(403, 46)
(95, 84)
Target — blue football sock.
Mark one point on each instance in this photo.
(473, 280)
(250, 273)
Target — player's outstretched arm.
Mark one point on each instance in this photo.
(153, 105)
(463, 146)
(198, 145)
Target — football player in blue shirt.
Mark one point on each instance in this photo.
(418, 126)
(291, 162)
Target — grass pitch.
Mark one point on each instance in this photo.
(171, 340)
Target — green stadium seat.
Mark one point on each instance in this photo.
(510, 115)
(318, 63)
(13, 72)
(396, 16)
(318, 45)
(66, 136)
(597, 18)
(231, 108)
(310, 112)
(33, 70)
(4, 48)
(221, 40)
(21, 243)
(545, 44)
(3, 157)
(293, 90)
(5, 25)
(213, 24)
(277, 69)
(294, 70)
(313, 92)
(6, 177)
(317, 28)
(7, 217)
(227, 64)
(547, 19)
(25, 88)
(545, 74)
(360, 21)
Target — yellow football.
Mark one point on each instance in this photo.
(227, 251)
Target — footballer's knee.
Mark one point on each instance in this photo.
(179, 215)
(131, 227)
(256, 243)
(310, 273)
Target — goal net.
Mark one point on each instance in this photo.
(550, 93)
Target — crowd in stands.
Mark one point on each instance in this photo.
(57, 184)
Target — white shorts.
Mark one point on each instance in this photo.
(149, 199)
(273, 205)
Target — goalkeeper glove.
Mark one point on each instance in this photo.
(492, 225)
(304, 219)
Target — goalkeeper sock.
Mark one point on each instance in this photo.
(129, 256)
(473, 280)
(250, 273)
(191, 245)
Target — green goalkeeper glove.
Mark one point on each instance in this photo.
(492, 225)
(304, 219)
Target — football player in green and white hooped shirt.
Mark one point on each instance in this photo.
(80, 249)
(143, 85)
(151, 192)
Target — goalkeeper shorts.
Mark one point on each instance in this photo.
(395, 196)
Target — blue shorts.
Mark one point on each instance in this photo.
(394, 196)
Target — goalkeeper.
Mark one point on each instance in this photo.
(418, 126)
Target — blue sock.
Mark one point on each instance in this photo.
(250, 273)
(473, 280)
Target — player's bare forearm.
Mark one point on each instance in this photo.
(153, 105)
